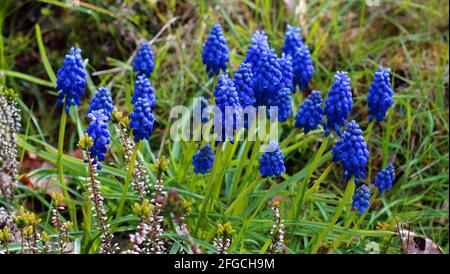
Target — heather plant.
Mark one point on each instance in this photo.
(359, 148)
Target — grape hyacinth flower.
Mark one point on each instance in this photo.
(272, 161)
(339, 103)
(361, 198)
(215, 53)
(203, 159)
(227, 98)
(144, 61)
(351, 150)
(283, 101)
(380, 94)
(292, 41)
(143, 88)
(201, 110)
(310, 114)
(98, 131)
(287, 73)
(102, 100)
(71, 79)
(259, 45)
(142, 119)
(243, 82)
(267, 77)
(303, 67)
(385, 178)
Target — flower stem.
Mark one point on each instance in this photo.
(209, 188)
(70, 204)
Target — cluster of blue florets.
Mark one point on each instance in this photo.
(303, 67)
(380, 95)
(339, 103)
(309, 117)
(144, 61)
(351, 150)
(259, 45)
(293, 40)
(142, 120)
(243, 82)
(98, 131)
(102, 101)
(203, 159)
(271, 162)
(143, 88)
(361, 198)
(385, 178)
(215, 53)
(71, 80)
(227, 99)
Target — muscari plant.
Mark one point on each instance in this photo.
(164, 223)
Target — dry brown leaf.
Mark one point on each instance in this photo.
(416, 244)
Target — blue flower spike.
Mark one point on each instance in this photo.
(267, 78)
(215, 53)
(303, 67)
(282, 100)
(351, 150)
(287, 73)
(143, 88)
(98, 131)
(203, 159)
(259, 45)
(293, 40)
(272, 161)
(361, 198)
(144, 61)
(227, 98)
(102, 101)
(309, 117)
(380, 95)
(339, 103)
(71, 80)
(243, 82)
(142, 120)
(385, 178)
